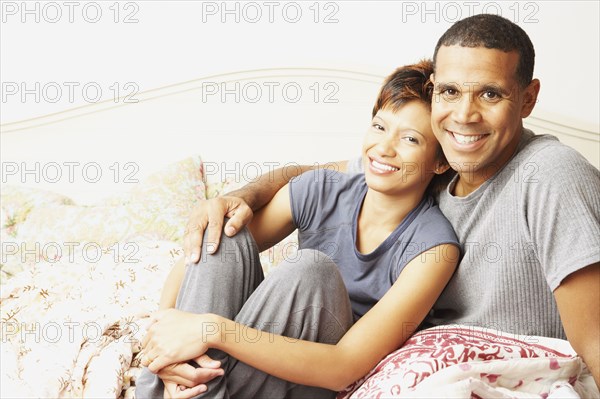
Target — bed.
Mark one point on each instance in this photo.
(95, 200)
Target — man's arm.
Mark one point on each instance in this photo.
(238, 206)
(578, 300)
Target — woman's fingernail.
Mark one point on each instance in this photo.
(210, 248)
(229, 230)
(187, 260)
(194, 257)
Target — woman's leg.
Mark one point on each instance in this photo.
(303, 298)
(220, 284)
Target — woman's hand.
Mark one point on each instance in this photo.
(174, 391)
(189, 376)
(175, 336)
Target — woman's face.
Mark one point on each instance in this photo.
(399, 150)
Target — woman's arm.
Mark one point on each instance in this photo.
(382, 330)
(172, 284)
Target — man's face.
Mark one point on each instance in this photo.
(477, 109)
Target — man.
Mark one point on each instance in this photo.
(525, 208)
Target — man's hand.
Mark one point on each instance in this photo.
(208, 216)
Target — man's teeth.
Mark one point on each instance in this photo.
(384, 166)
(466, 139)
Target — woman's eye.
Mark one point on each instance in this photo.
(411, 139)
(378, 127)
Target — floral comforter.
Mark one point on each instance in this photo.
(71, 325)
(72, 329)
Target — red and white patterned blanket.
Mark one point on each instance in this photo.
(472, 362)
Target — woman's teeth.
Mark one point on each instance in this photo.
(383, 166)
(466, 139)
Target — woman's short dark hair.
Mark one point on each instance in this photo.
(412, 83)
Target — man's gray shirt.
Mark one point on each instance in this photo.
(522, 232)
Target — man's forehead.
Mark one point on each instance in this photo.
(457, 63)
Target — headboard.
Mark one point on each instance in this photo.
(263, 118)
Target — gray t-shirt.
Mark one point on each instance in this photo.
(522, 232)
(325, 206)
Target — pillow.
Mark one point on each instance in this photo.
(16, 203)
(445, 361)
(158, 208)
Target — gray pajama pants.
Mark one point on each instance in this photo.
(303, 298)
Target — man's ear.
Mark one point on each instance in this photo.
(530, 97)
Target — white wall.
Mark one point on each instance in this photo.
(170, 43)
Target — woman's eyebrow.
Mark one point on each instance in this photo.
(415, 131)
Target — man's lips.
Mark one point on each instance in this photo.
(466, 139)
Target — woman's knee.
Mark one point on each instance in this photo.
(309, 266)
(231, 249)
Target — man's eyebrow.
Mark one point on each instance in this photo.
(444, 85)
(494, 87)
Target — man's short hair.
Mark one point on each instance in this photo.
(492, 32)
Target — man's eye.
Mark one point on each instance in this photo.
(449, 93)
(491, 95)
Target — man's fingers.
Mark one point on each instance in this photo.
(193, 238)
(238, 219)
(206, 225)
(214, 228)
(206, 362)
(195, 242)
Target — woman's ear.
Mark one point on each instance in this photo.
(441, 167)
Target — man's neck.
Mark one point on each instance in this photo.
(466, 184)
(470, 180)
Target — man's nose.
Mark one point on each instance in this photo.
(466, 110)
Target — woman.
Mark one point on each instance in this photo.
(375, 253)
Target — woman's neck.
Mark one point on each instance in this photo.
(379, 216)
